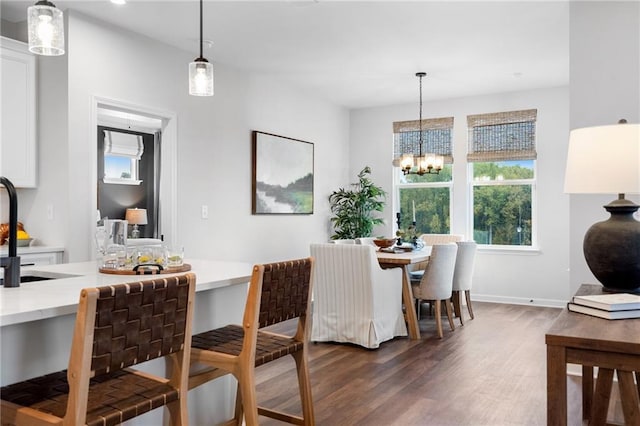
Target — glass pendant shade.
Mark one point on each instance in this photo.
(200, 78)
(46, 29)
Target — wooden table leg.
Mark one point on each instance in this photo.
(601, 397)
(407, 298)
(629, 397)
(587, 391)
(556, 386)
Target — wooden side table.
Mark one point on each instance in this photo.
(610, 345)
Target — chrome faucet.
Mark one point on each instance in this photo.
(11, 264)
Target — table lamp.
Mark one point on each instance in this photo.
(136, 217)
(606, 160)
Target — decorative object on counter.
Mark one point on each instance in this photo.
(611, 247)
(4, 231)
(46, 29)
(354, 208)
(282, 175)
(149, 269)
(200, 71)
(175, 256)
(143, 259)
(136, 217)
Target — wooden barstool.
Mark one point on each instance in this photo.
(117, 326)
(278, 292)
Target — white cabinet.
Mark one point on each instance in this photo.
(36, 255)
(37, 259)
(18, 113)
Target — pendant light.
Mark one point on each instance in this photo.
(46, 29)
(425, 163)
(200, 72)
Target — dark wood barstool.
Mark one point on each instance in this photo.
(116, 327)
(278, 292)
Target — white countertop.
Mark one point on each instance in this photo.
(51, 298)
(4, 249)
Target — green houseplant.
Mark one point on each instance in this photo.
(354, 208)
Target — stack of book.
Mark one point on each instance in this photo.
(608, 306)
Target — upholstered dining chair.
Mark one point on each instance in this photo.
(463, 275)
(436, 285)
(417, 269)
(355, 300)
(365, 240)
(278, 292)
(343, 241)
(116, 327)
(433, 239)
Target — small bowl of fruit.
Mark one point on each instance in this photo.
(24, 239)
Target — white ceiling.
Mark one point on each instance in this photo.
(361, 53)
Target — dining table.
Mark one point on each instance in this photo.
(403, 259)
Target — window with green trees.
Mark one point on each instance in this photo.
(427, 196)
(502, 201)
(431, 195)
(502, 156)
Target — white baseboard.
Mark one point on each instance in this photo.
(549, 303)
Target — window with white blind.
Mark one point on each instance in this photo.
(502, 161)
(429, 193)
(122, 153)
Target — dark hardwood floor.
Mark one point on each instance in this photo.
(491, 371)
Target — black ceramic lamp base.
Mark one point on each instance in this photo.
(612, 248)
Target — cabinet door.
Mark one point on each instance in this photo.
(36, 259)
(18, 110)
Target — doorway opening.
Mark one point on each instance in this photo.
(135, 165)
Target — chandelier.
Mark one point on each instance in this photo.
(424, 163)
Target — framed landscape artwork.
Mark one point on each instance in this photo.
(282, 175)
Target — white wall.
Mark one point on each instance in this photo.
(605, 86)
(540, 277)
(213, 139)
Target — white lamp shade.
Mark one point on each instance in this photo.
(200, 78)
(136, 216)
(604, 160)
(46, 29)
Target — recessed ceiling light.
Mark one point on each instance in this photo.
(119, 1)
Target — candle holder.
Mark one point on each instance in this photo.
(398, 220)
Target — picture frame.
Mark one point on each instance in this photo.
(282, 175)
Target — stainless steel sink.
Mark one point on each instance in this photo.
(41, 276)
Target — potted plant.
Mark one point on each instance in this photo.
(354, 208)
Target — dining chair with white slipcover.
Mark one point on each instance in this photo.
(355, 300)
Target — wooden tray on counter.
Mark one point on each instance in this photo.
(150, 269)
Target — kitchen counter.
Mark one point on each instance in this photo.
(50, 298)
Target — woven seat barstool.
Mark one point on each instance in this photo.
(116, 327)
(278, 292)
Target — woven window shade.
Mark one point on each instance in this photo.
(436, 137)
(502, 136)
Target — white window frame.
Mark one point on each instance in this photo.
(509, 182)
(398, 185)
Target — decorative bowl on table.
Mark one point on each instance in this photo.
(384, 242)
